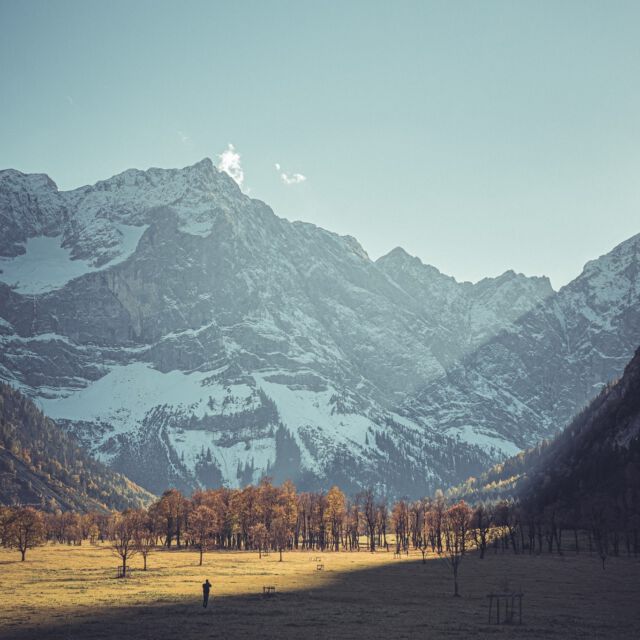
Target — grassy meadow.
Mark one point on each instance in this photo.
(71, 593)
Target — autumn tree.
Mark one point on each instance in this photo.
(382, 522)
(336, 512)
(280, 531)
(438, 509)
(480, 526)
(353, 525)
(23, 529)
(259, 537)
(400, 520)
(5, 515)
(172, 507)
(426, 537)
(201, 525)
(245, 505)
(145, 535)
(367, 499)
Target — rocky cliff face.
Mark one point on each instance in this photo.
(525, 383)
(189, 336)
(590, 470)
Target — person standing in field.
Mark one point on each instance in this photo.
(206, 587)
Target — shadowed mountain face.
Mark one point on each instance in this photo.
(593, 463)
(189, 336)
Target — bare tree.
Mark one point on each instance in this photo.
(122, 535)
(455, 528)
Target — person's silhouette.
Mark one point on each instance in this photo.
(206, 587)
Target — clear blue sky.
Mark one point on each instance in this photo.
(480, 136)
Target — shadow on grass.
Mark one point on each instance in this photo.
(407, 599)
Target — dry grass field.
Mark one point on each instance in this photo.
(71, 593)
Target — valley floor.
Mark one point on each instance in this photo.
(71, 593)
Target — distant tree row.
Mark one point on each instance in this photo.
(266, 518)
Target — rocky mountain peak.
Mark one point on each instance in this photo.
(190, 337)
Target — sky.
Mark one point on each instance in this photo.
(479, 136)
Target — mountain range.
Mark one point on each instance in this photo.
(189, 337)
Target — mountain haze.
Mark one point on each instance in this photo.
(189, 337)
(527, 382)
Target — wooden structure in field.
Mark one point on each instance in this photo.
(505, 608)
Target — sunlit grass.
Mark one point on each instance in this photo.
(75, 578)
(72, 593)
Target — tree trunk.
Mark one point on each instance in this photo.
(280, 555)
(201, 553)
(23, 552)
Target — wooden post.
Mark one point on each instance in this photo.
(520, 607)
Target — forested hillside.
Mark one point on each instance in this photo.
(43, 466)
(590, 470)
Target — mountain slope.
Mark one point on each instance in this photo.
(466, 314)
(189, 336)
(596, 455)
(526, 382)
(41, 465)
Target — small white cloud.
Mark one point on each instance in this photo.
(230, 164)
(292, 178)
(289, 178)
(69, 99)
(183, 137)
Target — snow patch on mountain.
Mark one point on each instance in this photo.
(208, 341)
(472, 435)
(126, 394)
(46, 265)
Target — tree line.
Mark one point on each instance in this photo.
(269, 518)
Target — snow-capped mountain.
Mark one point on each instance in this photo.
(465, 314)
(190, 336)
(527, 382)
